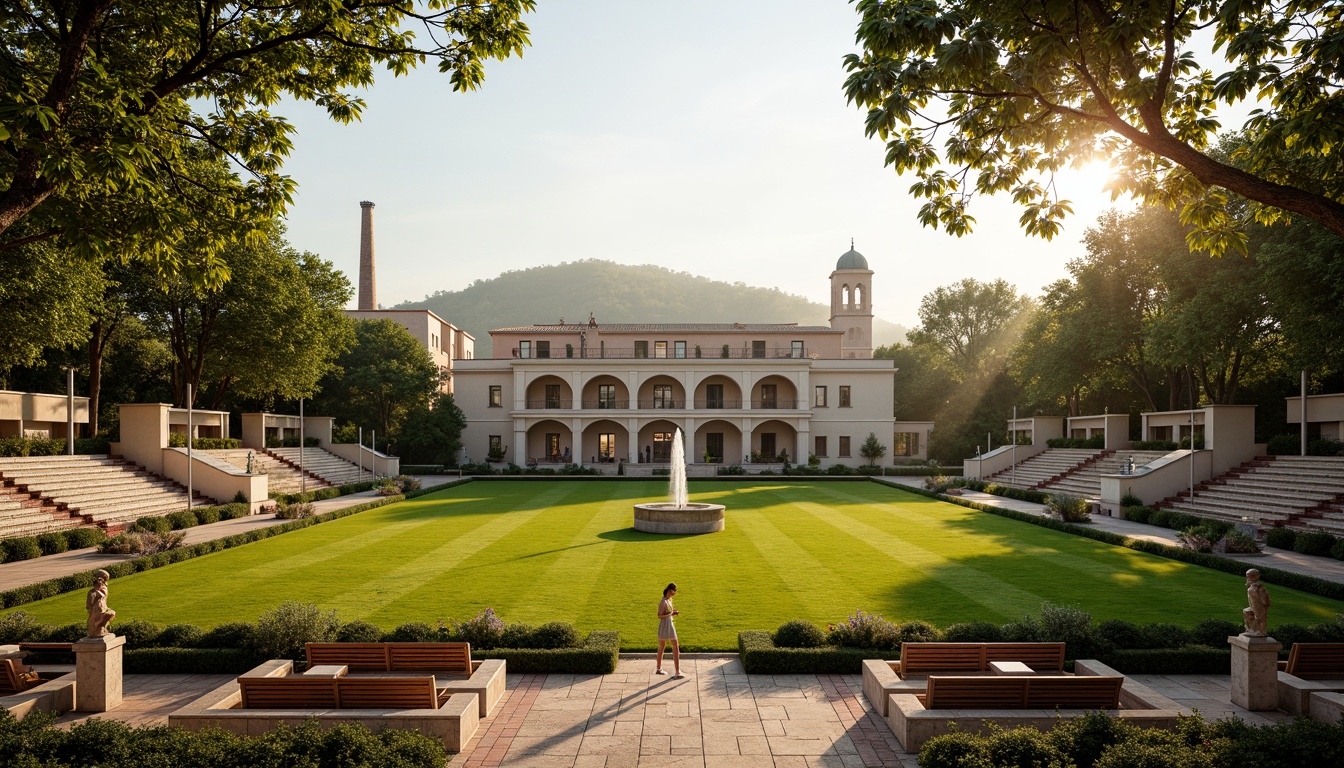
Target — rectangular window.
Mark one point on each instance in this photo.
(496, 396)
(553, 446)
(524, 349)
(552, 395)
(713, 395)
(662, 396)
(641, 349)
(769, 396)
(844, 446)
(819, 397)
(543, 349)
(844, 396)
(660, 349)
(821, 446)
(496, 446)
(679, 350)
(714, 446)
(606, 395)
(662, 447)
(905, 444)
(796, 349)
(768, 452)
(606, 446)
(758, 349)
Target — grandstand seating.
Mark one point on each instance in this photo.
(23, 515)
(281, 476)
(98, 490)
(1300, 492)
(1084, 481)
(1044, 467)
(326, 465)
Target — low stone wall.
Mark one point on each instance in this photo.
(454, 723)
(1327, 707)
(913, 724)
(56, 696)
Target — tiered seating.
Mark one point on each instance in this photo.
(22, 515)
(101, 490)
(1043, 467)
(1084, 481)
(281, 477)
(325, 465)
(1293, 491)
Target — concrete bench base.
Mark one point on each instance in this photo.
(1295, 693)
(56, 696)
(487, 682)
(454, 723)
(1327, 707)
(913, 724)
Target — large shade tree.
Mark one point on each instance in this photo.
(982, 97)
(97, 95)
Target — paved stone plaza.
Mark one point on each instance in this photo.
(717, 717)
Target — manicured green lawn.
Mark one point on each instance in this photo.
(544, 551)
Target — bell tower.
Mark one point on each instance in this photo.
(851, 304)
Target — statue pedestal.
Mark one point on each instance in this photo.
(1255, 672)
(98, 673)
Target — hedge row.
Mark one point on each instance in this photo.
(36, 741)
(29, 547)
(330, 492)
(1191, 660)
(1316, 543)
(1309, 584)
(84, 580)
(37, 446)
(760, 656)
(596, 655)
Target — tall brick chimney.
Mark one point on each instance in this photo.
(368, 284)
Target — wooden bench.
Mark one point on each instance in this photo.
(484, 678)
(1053, 692)
(922, 658)
(1311, 668)
(1316, 661)
(12, 678)
(453, 658)
(300, 692)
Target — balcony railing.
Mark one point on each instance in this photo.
(706, 353)
(776, 404)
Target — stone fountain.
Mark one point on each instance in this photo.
(677, 515)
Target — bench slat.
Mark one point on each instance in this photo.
(917, 658)
(1064, 692)
(1316, 661)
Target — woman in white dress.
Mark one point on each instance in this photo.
(667, 633)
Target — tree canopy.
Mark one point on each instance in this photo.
(103, 102)
(1019, 91)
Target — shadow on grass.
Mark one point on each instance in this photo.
(640, 537)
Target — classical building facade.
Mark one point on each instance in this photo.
(593, 393)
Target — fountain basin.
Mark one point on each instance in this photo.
(665, 517)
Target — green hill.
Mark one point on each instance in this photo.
(619, 293)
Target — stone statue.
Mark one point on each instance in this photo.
(1257, 615)
(96, 603)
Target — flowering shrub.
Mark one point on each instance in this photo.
(865, 630)
(484, 631)
(142, 542)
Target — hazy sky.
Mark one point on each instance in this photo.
(706, 137)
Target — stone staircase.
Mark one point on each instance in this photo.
(1300, 492)
(281, 476)
(23, 515)
(1044, 467)
(94, 490)
(328, 466)
(1084, 481)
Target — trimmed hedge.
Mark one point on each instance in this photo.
(1095, 443)
(189, 661)
(1309, 584)
(331, 492)
(596, 655)
(84, 580)
(1191, 660)
(760, 656)
(35, 741)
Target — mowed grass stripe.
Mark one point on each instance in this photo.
(572, 556)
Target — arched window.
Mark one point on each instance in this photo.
(858, 296)
(845, 296)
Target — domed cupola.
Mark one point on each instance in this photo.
(851, 304)
(852, 259)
